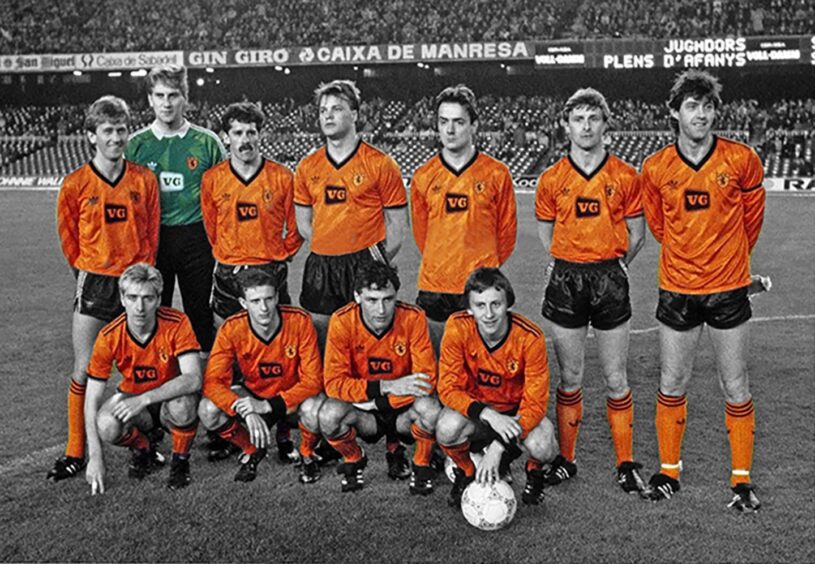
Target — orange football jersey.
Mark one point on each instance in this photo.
(707, 216)
(356, 359)
(287, 365)
(348, 198)
(104, 226)
(588, 210)
(144, 366)
(250, 221)
(462, 220)
(514, 374)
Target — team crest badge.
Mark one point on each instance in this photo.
(291, 351)
(358, 179)
(400, 348)
(135, 196)
(480, 187)
(722, 179)
(512, 365)
(610, 190)
(162, 354)
(267, 199)
(192, 162)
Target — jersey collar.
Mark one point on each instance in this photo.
(247, 181)
(112, 183)
(463, 169)
(698, 166)
(149, 339)
(160, 134)
(273, 335)
(588, 175)
(339, 164)
(500, 343)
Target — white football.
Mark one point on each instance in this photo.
(449, 465)
(489, 507)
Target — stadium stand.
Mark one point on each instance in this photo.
(71, 26)
(523, 131)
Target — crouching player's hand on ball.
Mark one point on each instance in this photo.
(95, 476)
(487, 472)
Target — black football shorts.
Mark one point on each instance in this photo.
(720, 310)
(97, 295)
(226, 290)
(439, 306)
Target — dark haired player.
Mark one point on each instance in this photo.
(248, 210)
(380, 374)
(494, 384)
(590, 221)
(350, 201)
(462, 208)
(155, 350)
(275, 348)
(107, 219)
(704, 203)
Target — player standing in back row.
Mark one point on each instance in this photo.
(179, 153)
(590, 221)
(350, 201)
(463, 210)
(704, 202)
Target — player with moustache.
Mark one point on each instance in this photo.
(275, 348)
(248, 210)
(704, 203)
(380, 375)
(155, 350)
(494, 385)
(179, 153)
(350, 202)
(462, 208)
(107, 219)
(590, 221)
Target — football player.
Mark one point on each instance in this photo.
(275, 348)
(704, 203)
(155, 350)
(350, 202)
(463, 210)
(107, 219)
(590, 221)
(380, 374)
(494, 384)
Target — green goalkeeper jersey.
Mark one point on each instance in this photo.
(179, 161)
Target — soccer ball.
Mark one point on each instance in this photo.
(449, 465)
(489, 507)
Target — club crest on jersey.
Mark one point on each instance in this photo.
(143, 374)
(722, 179)
(135, 197)
(379, 365)
(610, 189)
(489, 379)
(115, 214)
(358, 179)
(291, 351)
(192, 162)
(335, 195)
(479, 187)
(587, 207)
(163, 356)
(696, 200)
(456, 202)
(512, 365)
(247, 211)
(268, 370)
(400, 348)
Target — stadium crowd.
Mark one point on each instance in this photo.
(37, 26)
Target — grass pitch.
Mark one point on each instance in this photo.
(277, 519)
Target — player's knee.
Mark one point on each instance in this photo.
(617, 384)
(427, 409)
(109, 428)
(331, 415)
(309, 412)
(737, 390)
(181, 411)
(541, 442)
(209, 414)
(450, 427)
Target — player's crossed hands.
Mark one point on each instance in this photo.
(250, 409)
(417, 385)
(506, 426)
(126, 408)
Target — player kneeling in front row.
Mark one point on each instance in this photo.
(275, 347)
(380, 372)
(156, 352)
(494, 384)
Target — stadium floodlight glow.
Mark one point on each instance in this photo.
(199, 81)
(114, 74)
(209, 70)
(139, 73)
